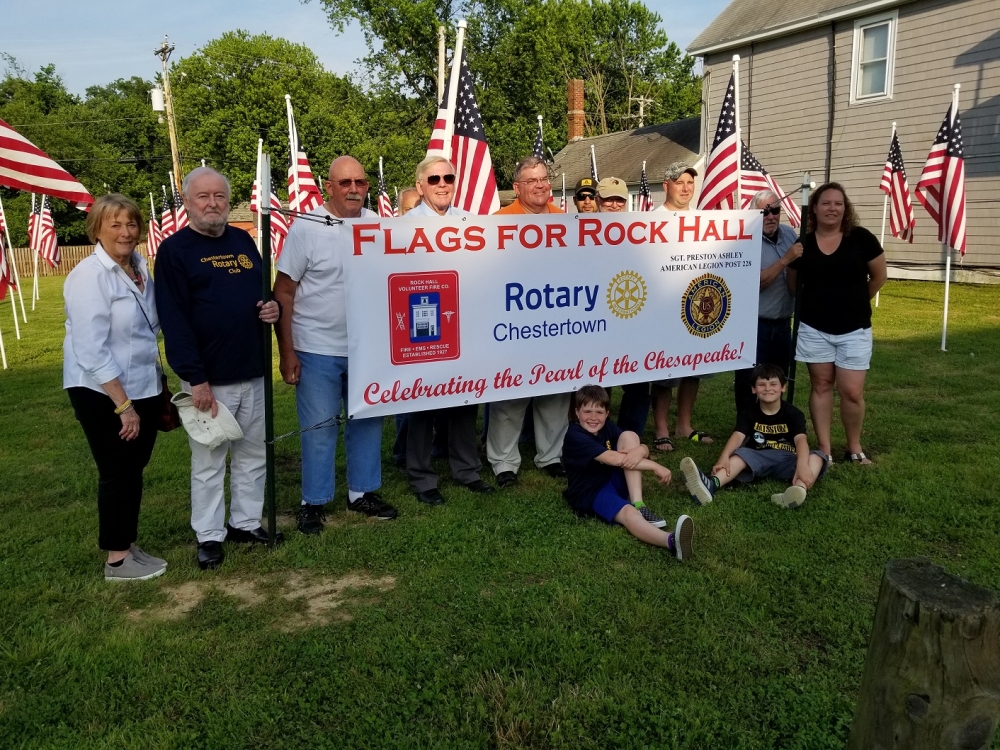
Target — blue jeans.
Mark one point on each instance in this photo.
(321, 391)
(774, 347)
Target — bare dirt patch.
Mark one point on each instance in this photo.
(299, 600)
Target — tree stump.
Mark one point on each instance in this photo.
(932, 677)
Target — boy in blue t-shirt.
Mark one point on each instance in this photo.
(603, 470)
(769, 441)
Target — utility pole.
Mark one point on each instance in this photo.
(643, 101)
(164, 54)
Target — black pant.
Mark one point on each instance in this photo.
(119, 462)
(463, 455)
(774, 347)
(634, 408)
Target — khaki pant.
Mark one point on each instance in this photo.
(551, 415)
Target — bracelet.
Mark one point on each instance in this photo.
(124, 407)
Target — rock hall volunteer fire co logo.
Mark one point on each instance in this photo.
(626, 294)
(705, 305)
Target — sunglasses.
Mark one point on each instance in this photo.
(362, 184)
(434, 179)
(773, 210)
(585, 196)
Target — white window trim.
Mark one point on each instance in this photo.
(892, 17)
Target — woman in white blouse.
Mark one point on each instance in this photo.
(111, 374)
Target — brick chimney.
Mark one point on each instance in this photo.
(574, 114)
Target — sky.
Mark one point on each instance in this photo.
(100, 41)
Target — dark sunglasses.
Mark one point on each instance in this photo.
(773, 210)
(585, 196)
(363, 184)
(434, 179)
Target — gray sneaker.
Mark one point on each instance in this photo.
(147, 559)
(649, 515)
(132, 569)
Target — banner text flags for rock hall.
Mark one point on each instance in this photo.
(24, 166)
(446, 311)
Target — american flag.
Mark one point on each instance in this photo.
(384, 202)
(645, 200)
(180, 214)
(154, 237)
(942, 183)
(6, 278)
(755, 178)
(167, 224)
(893, 184)
(279, 222)
(538, 150)
(303, 193)
(45, 242)
(459, 137)
(722, 173)
(24, 166)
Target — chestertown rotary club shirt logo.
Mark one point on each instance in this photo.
(626, 294)
(705, 305)
(244, 261)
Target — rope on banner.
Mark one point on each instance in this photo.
(331, 422)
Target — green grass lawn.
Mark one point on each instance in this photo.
(490, 622)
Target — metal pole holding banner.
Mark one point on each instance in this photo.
(264, 206)
(944, 243)
(885, 211)
(806, 187)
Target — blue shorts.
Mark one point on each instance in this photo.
(611, 498)
(771, 462)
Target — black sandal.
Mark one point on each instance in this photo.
(660, 441)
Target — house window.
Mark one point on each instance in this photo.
(873, 59)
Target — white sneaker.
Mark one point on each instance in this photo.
(793, 497)
(683, 536)
(132, 569)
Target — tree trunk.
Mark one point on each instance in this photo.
(932, 678)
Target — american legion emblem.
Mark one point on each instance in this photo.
(705, 305)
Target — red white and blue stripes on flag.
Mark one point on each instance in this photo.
(941, 188)
(24, 166)
(893, 184)
(723, 171)
(754, 178)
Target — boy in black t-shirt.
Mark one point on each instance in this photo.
(769, 441)
(603, 470)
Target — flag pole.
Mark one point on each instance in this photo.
(944, 242)
(293, 149)
(739, 134)
(3, 352)
(13, 265)
(264, 209)
(885, 211)
(152, 218)
(34, 286)
(806, 187)
(565, 205)
(257, 183)
(453, 78)
(540, 124)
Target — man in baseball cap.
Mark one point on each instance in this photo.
(585, 196)
(612, 195)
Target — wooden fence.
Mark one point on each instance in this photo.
(71, 255)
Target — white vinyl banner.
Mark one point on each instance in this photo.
(458, 310)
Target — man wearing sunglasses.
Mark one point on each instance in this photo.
(779, 247)
(312, 349)
(550, 413)
(436, 185)
(585, 196)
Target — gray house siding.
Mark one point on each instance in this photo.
(787, 120)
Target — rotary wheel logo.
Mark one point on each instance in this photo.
(705, 305)
(626, 294)
(244, 261)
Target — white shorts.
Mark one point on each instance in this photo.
(848, 351)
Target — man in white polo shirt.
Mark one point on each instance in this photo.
(312, 346)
